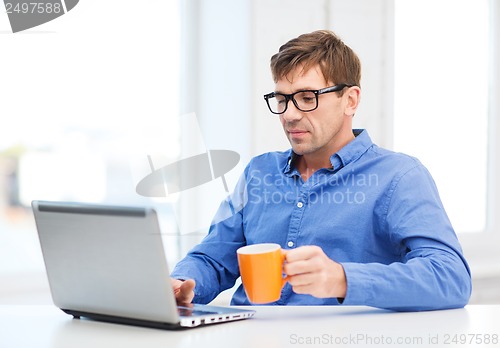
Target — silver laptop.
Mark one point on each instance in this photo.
(108, 263)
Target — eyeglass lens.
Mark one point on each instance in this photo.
(303, 100)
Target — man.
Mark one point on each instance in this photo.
(360, 225)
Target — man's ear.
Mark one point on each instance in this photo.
(353, 96)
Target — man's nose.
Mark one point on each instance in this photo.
(291, 114)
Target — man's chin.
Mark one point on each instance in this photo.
(299, 150)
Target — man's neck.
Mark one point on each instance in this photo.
(308, 164)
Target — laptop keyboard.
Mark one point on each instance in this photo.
(187, 312)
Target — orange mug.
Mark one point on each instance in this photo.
(261, 269)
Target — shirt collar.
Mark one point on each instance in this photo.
(288, 169)
(349, 153)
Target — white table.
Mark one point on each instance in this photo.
(47, 326)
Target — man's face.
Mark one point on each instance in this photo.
(321, 131)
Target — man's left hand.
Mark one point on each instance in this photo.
(311, 272)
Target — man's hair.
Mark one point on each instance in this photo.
(337, 61)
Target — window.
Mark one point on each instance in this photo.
(85, 98)
(442, 60)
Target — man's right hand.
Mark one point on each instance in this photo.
(183, 290)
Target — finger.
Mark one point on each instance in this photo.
(176, 285)
(303, 289)
(295, 268)
(186, 291)
(302, 279)
(174, 281)
(302, 283)
(183, 290)
(302, 253)
(303, 266)
(284, 252)
(188, 286)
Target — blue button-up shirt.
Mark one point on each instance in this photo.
(376, 212)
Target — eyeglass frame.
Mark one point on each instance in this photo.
(316, 92)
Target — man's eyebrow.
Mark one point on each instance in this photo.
(298, 90)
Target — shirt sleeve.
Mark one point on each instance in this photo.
(213, 263)
(433, 273)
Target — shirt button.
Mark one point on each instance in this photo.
(300, 205)
(290, 244)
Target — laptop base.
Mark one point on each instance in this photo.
(185, 323)
(123, 320)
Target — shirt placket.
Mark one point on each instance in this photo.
(297, 216)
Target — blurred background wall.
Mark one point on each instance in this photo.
(86, 98)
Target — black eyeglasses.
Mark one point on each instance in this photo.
(305, 101)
